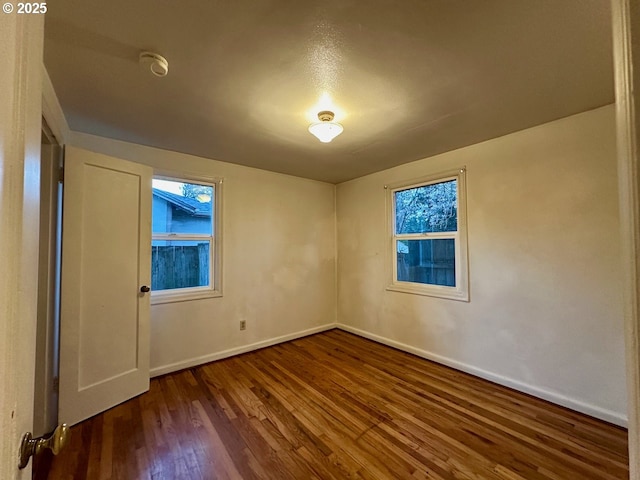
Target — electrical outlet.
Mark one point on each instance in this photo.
(243, 324)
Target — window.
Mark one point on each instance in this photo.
(185, 249)
(428, 236)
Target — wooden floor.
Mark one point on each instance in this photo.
(334, 405)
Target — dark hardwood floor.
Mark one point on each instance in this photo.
(334, 405)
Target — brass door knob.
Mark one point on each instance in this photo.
(33, 446)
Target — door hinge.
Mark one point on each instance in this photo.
(61, 164)
(56, 384)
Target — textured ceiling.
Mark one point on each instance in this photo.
(408, 79)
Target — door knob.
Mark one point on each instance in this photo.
(33, 446)
(145, 289)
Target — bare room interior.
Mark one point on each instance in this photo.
(287, 240)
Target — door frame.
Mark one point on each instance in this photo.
(45, 412)
(55, 130)
(626, 48)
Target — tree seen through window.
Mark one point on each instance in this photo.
(429, 208)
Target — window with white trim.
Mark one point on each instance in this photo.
(428, 236)
(185, 245)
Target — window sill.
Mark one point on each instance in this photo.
(160, 298)
(430, 291)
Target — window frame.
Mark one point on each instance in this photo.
(214, 289)
(461, 290)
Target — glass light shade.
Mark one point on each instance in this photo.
(325, 131)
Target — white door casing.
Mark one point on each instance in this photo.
(626, 49)
(106, 258)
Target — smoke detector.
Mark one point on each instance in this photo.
(154, 62)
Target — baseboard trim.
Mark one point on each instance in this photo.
(554, 397)
(193, 362)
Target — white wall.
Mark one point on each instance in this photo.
(545, 313)
(279, 261)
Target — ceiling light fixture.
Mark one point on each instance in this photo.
(155, 62)
(326, 129)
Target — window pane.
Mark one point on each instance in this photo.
(182, 207)
(179, 264)
(427, 261)
(430, 208)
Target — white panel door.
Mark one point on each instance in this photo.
(106, 259)
(20, 116)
